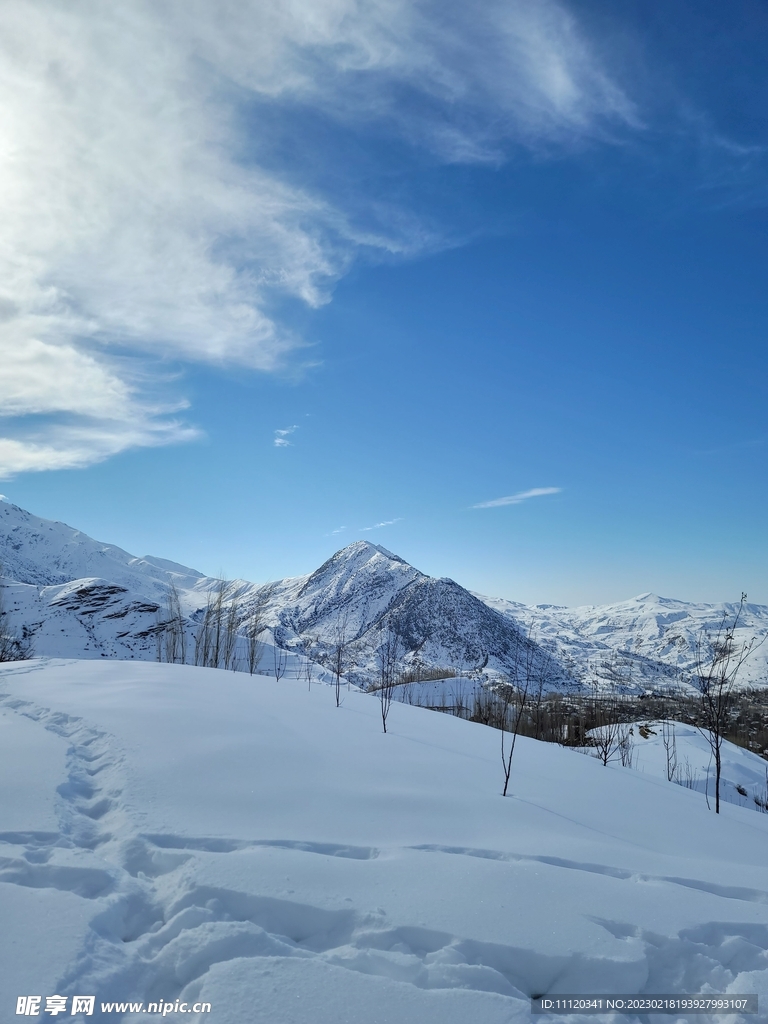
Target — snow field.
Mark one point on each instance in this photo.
(744, 775)
(211, 836)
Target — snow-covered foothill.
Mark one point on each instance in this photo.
(683, 753)
(177, 832)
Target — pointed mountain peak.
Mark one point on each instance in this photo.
(363, 550)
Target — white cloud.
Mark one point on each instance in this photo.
(377, 526)
(66, 409)
(516, 499)
(142, 214)
(281, 437)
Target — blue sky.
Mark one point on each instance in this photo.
(336, 270)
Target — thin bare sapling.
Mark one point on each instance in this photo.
(390, 654)
(719, 659)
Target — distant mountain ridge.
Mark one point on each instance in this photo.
(647, 641)
(78, 597)
(43, 552)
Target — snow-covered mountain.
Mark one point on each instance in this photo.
(78, 597)
(363, 590)
(43, 552)
(647, 641)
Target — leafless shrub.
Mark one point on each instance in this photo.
(627, 748)
(513, 708)
(685, 775)
(514, 698)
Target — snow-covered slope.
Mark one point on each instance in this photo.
(682, 754)
(175, 833)
(687, 758)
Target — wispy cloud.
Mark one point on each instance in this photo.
(517, 499)
(338, 530)
(146, 222)
(281, 437)
(378, 526)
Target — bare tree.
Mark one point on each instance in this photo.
(669, 739)
(719, 660)
(515, 697)
(306, 646)
(541, 678)
(216, 635)
(607, 737)
(514, 705)
(339, 643)
(256, 625)
(203, 634)
(279, 659)
(208, 629)
(12, 646)
(229, 639)
(171, 631)
(389, 656)
(217, 622)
